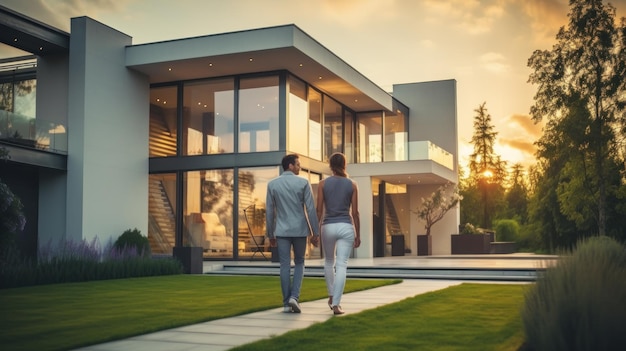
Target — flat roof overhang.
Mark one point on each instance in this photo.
(259, 50)
(410, 172)
(30, 35)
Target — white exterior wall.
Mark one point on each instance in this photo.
(366, 250)
(441, 231)
(433, 117)
(108, 136)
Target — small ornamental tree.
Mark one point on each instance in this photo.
(438, 204)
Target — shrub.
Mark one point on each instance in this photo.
(580, 303)
(507, 230)
(132, 240)
(468, 228)
(12, 220)
(81, 261)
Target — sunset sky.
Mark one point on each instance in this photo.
(483, 45)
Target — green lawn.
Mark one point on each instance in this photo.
(66, 316)
(464, 317)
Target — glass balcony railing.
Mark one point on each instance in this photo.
(30, 132)
(425, 150)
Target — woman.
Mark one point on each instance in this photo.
(338, 211)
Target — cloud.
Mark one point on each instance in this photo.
(472, 16)
(494, 62)
(516, 121)
(57, 13)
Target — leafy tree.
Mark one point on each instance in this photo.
(487, 170)
(581, 90)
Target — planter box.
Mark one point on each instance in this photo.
(503, 247)
(424, 245)
(397, 245)
(471, 244)
(190, 257)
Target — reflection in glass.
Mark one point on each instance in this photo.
(315, 124)
(258, 114)
(251, 196)
(396, 136)
(369, 137)
(348, 128)
(333, 132)
(162, 213)
(208, 211)
(163, 102)
(208, 117)
(297, 136)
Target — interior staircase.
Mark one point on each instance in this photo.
(162, 222)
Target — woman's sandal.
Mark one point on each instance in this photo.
(330, 302)
(337, 310)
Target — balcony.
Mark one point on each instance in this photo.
(24, 131)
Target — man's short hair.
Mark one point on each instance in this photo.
(289, 160)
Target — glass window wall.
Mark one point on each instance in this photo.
(162, 213)
(369, 137)
(333, 130)
(208, 211)
(258, 114)
(163, 121)
(208, 117)
(315, 124)
(348, 142)
(251, 220)
(297, 136)
(396, 136)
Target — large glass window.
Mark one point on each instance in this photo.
(333, 131)
(18, 122)
(251, 195)
(208, 117)
(163, 112)
(315, 124)
(258, 114)
(297, 136)
(208, 211)
(369, 137)
(348, 128)
(162, 213)
(396, 136)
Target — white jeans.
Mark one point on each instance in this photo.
(337, 241)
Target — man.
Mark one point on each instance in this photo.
(290, 218)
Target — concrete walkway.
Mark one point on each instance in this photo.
(223, 334)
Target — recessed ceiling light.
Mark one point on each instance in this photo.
(169, 69)
(210, 64)
(301, 65)
(250, 59)
(320, 77)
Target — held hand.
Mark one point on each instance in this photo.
(273, 242)
(315, 240)
(357, 242)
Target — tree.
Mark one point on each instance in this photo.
(487, 170)
(437, 205)
(517, 194)
(581, 88)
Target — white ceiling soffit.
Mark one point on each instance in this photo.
(259, 50)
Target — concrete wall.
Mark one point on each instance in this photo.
(108, 136)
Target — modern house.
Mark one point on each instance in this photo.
(179, 138)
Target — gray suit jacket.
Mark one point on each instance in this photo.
(290, 209)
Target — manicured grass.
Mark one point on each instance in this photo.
(465, 317)
(66, 316)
